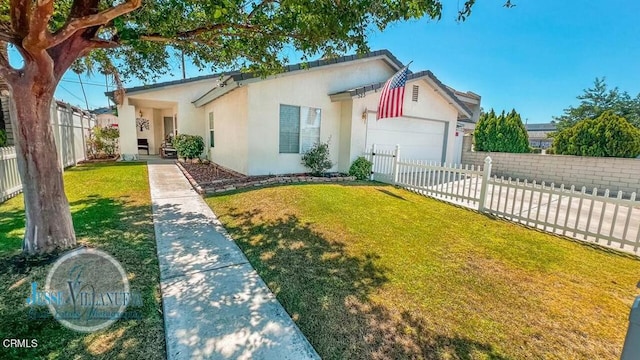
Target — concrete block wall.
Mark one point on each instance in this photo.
(614, 174)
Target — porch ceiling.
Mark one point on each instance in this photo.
(149, 103)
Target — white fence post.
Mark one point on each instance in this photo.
(485, 183)
(373, 161)
(396, 159)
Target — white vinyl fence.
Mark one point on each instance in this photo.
(10, 183)
(71, 127)
(613, 221)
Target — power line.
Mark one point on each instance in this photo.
(85, 83)
(76, 96)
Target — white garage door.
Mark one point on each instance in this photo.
(418, 139)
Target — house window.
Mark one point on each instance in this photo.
(211, 137)
(299, 128)
(414, 95)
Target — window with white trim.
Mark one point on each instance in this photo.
(299, 128)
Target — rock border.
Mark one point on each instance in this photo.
(276, 180)
(221, 188)
(192, 181)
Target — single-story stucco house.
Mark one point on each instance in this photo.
(260, 126)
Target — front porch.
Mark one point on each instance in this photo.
(145, 125)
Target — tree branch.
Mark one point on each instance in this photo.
(97, 43)
(191, 35)
(9, 37)
(75, 24)
(20, 12)
(38, 34)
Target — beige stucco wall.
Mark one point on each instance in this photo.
(230, 130)
(158, 134)
(345, 145)
(128, 133)
(310, 88)
(604, 173)
(148, 134)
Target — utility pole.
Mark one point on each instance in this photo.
(184, 71)
(86, 102)
(106, 84)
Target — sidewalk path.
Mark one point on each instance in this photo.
(215, 304)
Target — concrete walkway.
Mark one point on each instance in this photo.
(215, 304)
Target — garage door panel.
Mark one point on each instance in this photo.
(418, 139)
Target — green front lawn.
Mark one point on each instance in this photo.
(370, 271)
(111, 209)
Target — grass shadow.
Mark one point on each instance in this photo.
(329, 293)
(120, 227)
(387, 192)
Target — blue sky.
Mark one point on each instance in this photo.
(536, 57)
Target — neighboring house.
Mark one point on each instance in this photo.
(260, 126)
(539, 135)
(105, 116)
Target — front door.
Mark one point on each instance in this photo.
(168, 127)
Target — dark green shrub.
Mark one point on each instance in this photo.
(3, 138)
(188, 146)
(608, 135)
(503, 133)
(361, 168)
(550, 152)
(317, 159)
(536, 151)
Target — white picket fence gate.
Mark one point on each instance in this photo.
(610, 221)
(10, 183)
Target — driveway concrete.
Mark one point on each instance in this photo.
(618, 227)
(215, 304)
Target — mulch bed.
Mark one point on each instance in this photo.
(213, 178)
(100, 159)
(207, 174)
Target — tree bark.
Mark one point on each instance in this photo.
(48, 218)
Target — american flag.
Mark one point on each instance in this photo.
(392, 97)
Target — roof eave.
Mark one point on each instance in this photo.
(215, 93)
(423, 75)
(448, 95)
(241, 79)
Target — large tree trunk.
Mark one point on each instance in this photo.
(48, 218)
